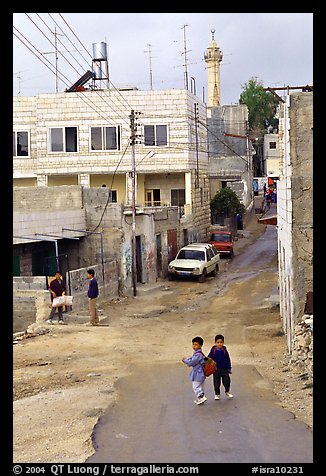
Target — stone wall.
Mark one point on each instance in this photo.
(31, 299)
(36, 283)
(107, 288)
(302, 347)
(30, 306)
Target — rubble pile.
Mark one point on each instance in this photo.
(302, 350)
(32, 331)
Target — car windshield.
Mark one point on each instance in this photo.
(220, 237)
(191, 254)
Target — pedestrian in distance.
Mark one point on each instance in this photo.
(220, 355)
(269, 198)
(57, 288)
(196, 361)
(265, 189)
(92, 295)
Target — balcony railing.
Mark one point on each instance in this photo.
(154, 204)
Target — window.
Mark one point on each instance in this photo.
(210, 254)
(155, 136)
(272, 145)
(153, 197)
(178, 197)
(191, 254)
(105, 138)
(20, 144)
(63, 139)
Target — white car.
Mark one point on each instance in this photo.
(195, 260)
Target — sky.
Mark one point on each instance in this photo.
(149, 48)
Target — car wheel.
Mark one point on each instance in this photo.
(171, 277)
(202, 277)
(215, 271)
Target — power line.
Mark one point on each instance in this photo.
(109, 195)
(72, 43)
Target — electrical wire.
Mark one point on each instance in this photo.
(187, 148)
(109, 194)
(102, 97)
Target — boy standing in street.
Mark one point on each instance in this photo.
(197, 372)
(221, 356)
(92, 295)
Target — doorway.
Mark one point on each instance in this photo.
(158, 256)
(139, 264)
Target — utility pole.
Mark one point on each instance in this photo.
(196, 135)
(133, 129)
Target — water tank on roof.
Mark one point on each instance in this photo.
(100, 51)
(100, 64)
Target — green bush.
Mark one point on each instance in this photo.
(226, 203)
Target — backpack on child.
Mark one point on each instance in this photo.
(209, 366)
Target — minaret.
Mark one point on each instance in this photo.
(213, 57)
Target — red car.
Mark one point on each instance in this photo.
(223, 242)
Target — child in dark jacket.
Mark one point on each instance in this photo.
(221, 356)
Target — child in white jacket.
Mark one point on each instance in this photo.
(196, 361)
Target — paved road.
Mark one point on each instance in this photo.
(156, 421)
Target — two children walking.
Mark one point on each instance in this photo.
(221, 356)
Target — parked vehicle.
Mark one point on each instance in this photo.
(195, 260)
(223, 242)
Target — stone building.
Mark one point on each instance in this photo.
(295, 209)
(81, 139)
(271, 156)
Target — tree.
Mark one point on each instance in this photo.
(261, 104)
(226, 203)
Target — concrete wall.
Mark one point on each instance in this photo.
(294, 209)
(38, 210)
(231, 119)
(108, 284)
(230, 158)
(30, 301)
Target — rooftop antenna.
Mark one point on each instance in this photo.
(19, 79)
(185, 51)
(55, 52)
(149, 51)
(55, 33)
